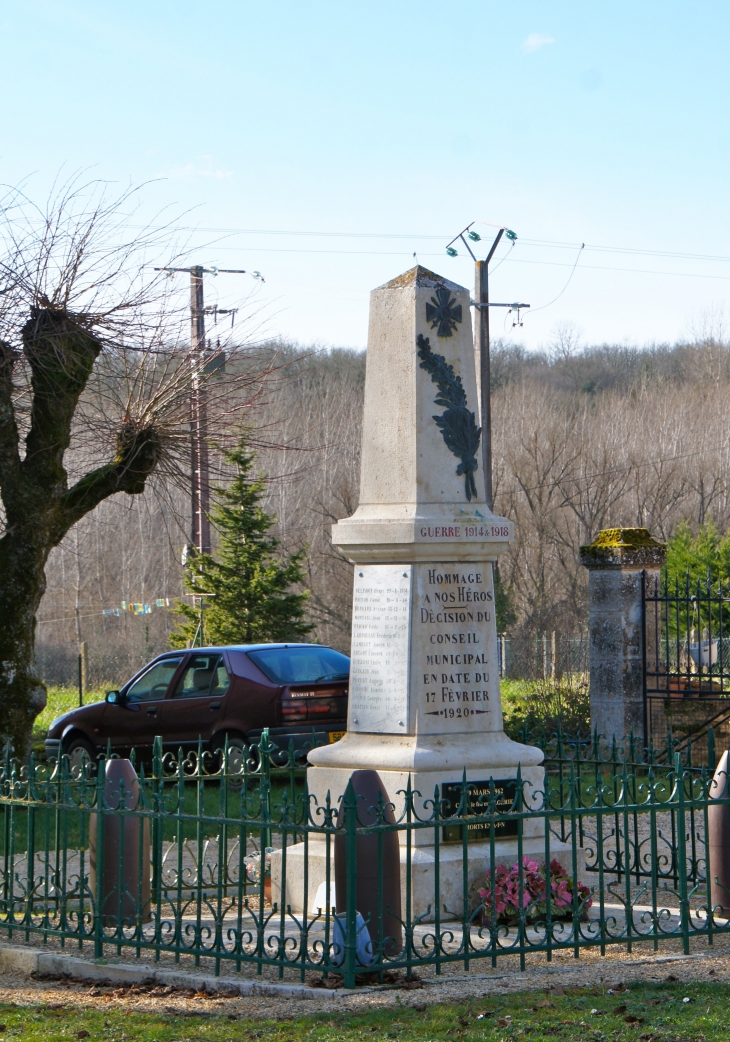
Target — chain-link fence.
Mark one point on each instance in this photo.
(96, 665)
(91, 666)
(547, 655)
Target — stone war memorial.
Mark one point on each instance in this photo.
(424, 700)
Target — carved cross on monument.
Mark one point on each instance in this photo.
(443, 311)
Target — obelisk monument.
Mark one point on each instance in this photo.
(424, 699)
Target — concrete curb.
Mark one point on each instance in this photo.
(31, 960)
(28, 960)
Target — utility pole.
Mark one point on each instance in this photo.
(481, 304)
(481, 297)
(200, 471)
(199, 466)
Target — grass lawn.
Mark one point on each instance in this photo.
(61, 700)
(650, 1012)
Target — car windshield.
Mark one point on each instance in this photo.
(153, 684)
(304, 665)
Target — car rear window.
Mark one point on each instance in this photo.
(301, 665)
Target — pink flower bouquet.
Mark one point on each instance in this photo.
(534, 892)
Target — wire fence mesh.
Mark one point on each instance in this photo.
(548, 655)
(97, 666)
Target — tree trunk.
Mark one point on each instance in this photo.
(22, 585)
(40, 508)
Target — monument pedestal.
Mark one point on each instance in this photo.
(427, 763)
(424, 702)
(422, 875)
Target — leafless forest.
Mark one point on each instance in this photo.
(582, 440)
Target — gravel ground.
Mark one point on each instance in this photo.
(591, 970)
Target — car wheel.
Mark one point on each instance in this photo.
(80, 752)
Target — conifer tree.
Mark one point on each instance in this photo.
(249, 576)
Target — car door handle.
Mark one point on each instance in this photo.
(214, 705)
(152, 710)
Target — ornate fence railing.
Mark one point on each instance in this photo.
(175, 866)
(590, 753)
(687, 659)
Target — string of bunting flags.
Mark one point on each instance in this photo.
(137, 608)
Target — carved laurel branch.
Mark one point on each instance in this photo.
(457, 425)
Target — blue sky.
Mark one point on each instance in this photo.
(401, 121)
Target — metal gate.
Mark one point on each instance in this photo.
(686, 660)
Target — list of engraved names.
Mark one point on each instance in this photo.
(380, 649)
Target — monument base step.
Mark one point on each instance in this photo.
(423, 862)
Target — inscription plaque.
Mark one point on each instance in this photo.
(379, 671)
(453, 649)
(477, 803)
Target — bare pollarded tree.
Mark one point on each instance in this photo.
(128, 550)
(96, 369)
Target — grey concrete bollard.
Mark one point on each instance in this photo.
(367, 787)
(126, 850)
(718, 839)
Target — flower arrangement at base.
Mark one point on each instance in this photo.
(534, 892)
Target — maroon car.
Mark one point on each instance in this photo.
(298, 691)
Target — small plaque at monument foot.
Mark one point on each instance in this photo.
(478, 800)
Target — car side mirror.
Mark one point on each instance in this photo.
(115, 698)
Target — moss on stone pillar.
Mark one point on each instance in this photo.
(633, 548)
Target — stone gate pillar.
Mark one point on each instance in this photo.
(615, 561)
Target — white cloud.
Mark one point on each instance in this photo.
(534, 42)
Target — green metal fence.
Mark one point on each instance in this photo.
(611, 852)
(592, 751)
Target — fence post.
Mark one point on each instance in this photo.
(99, 895)
(616, 561)
(684, 909)
(265, 750)
(83, 671)
(158, 811)
(351, 897)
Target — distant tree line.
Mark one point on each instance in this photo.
(583, 439)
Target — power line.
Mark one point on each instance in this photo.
(508, 258)
(323, 234)
(548, 243)
(555, 244)
(631, 271)
(570, 279)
